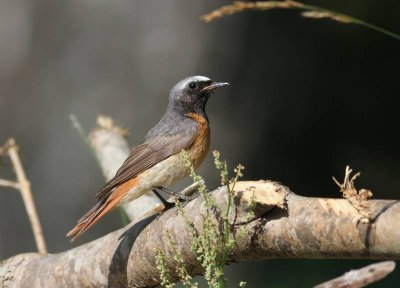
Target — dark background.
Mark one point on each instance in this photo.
(307, 97)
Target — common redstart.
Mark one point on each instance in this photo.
(157, 161)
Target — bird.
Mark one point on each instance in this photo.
(157, 162)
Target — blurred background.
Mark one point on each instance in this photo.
(307, 97)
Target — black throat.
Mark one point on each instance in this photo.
(198, 107)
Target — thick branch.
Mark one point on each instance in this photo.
(302, 228)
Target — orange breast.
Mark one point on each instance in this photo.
(199, 149)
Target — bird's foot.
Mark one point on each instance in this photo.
(167, 205)
(178, 195)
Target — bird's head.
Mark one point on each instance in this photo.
(191, 94)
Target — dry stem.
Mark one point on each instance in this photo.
(23, 185)
(359, 199)
(309, 11)
(239, 6)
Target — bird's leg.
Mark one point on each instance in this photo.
(180, 196)
(166, 204)
(176, 194)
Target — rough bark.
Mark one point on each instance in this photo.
(285, 225)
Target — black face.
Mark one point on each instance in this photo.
(192, 93)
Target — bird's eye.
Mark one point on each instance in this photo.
(192, 85)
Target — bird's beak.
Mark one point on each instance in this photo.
(214, 85)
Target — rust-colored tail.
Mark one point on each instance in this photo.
(107, 201)
(99, 210)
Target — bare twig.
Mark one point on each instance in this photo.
(310, 11)
(8, 183)
(190, 189)
(23, 186)
(361, 277)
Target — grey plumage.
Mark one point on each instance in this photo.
(184, 126)
(174, 132)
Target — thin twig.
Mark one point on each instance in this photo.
(361, 277)
(8, 183)
(26, 193)
(189, 189)
(78, 127)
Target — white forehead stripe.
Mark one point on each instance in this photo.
(200, 78)
(182, 84)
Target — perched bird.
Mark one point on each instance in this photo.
(157, 161)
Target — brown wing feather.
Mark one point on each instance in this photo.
(141, 158)
(145, 156)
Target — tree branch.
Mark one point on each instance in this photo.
(302, 228)
(361, 277)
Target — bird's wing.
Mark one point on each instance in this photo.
(146, 155)
(154, 150)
